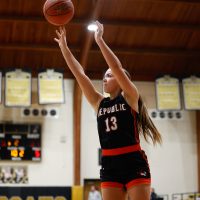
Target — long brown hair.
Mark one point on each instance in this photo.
(146, 126)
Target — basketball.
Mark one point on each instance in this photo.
(58, 12)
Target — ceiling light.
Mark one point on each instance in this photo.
(92, 27)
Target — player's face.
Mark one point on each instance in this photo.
(110, 84)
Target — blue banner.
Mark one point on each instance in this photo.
(35, 193)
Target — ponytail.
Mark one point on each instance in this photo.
(145, 125)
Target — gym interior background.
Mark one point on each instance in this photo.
(152, 38)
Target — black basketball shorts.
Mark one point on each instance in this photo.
(125, 171)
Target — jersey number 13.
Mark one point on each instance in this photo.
(111, 124)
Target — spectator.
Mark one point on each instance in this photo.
(94, 193)
(153, 194)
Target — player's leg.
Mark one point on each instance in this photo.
(113, 193)
(139, 192)
(138, 180)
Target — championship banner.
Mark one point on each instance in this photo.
(35, 193)
(50, 87)
(168, 93)
(18, 88)
(191, 92)
(0, 85)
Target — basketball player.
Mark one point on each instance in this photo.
(121, 117)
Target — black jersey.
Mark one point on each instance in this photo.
(117, 123)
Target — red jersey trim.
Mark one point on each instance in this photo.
(121, 150)
(136, 134)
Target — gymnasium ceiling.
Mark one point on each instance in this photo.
(151, 37)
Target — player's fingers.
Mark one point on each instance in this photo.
(55, 39)
(64, 30)
(58, 33)
(98, 24)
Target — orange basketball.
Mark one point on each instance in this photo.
(58, 12)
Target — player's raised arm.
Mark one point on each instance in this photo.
(129, 89)
(92, 95)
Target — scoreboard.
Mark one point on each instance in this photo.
(20, 142)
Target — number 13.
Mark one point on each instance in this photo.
(111, 124)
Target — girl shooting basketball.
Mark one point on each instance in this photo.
(120, 117)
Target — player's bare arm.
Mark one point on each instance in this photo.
(129, 89)
(92, 95)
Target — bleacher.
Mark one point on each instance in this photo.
(186, 196)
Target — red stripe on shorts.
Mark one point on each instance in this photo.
(111, 184)
(138, 182)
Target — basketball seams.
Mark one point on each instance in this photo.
(67, 9)
(58, 12)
